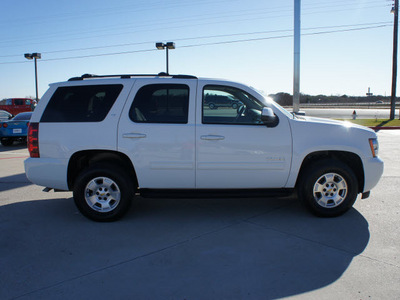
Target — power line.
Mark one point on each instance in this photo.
(199, 18)
(282, 36)
(203, 37)
(105, 11)
(207, 44)
(145, 6)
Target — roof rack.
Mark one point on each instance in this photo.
(124, 76)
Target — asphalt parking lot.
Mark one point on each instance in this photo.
(249, 248)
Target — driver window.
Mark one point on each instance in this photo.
(228, 105)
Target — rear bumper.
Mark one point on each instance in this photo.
(14, 136)
(48, 172)
(8, 133)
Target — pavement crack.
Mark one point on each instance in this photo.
(379, 261)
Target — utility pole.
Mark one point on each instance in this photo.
(296, 58)
(395, 10)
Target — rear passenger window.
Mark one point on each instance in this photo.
(89, 103)
(161, 103)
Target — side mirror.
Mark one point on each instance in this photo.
(268, 117)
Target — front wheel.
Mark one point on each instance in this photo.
(102, 192)
(328, 188)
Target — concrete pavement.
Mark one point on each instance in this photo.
(248, 248)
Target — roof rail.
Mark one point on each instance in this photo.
(124, 76)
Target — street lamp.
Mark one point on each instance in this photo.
(395, 10)
(34, 56)
(162, 46)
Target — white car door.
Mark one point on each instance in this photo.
(157, 132)
(234, 149)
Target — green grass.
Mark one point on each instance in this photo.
(376, 122)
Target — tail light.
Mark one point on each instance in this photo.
(33, 139)
(5, 125)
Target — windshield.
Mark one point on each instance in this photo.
(269, 102)
(23, 117)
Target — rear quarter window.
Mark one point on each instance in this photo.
(89, 103)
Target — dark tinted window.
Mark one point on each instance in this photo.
(161, 103)
(90, 103)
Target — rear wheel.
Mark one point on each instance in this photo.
(7, 141)
(328, 188)
(103, 192)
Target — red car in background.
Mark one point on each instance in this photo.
(17, 105)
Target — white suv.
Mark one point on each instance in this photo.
(109, 138)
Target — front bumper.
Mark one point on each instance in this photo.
(373, 170)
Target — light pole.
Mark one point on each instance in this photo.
(395, 10)
(166, 46)
(296, 59)
(34, 56)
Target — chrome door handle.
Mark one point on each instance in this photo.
(212, 137)
(134, 135)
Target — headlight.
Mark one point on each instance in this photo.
(373, 143)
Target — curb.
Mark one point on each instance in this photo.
(377, 128)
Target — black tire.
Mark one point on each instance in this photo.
(212, 106)
(7, 141)
(103, 192)
(328, 188)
